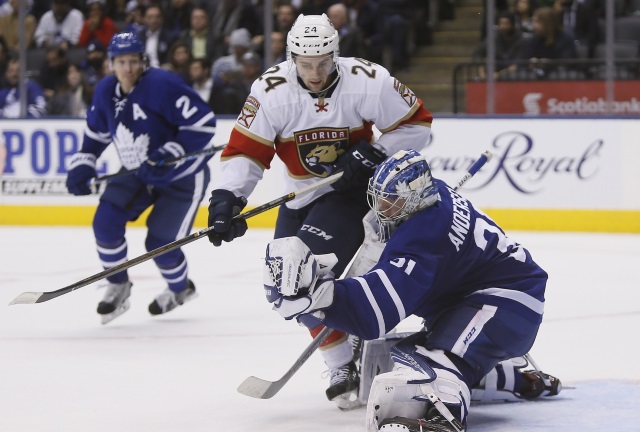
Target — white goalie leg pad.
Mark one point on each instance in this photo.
(375, 360)
(487, 390)
(391, 396)
(406, 392)
(371, 249)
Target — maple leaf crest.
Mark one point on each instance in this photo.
(132, 151)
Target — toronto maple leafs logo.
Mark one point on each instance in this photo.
(132, 150)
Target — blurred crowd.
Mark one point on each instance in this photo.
(216, 46)
(530, 33)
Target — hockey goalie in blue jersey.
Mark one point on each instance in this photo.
(152, 117)
(480, 294)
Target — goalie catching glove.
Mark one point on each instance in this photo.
(298, 283)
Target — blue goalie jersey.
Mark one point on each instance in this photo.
(160, 108)
(444, 255)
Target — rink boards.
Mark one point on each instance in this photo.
(550, 174)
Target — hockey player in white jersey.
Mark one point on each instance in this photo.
(316, 111)
(151, 116)
(480, 294)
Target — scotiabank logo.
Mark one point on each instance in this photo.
(585, 105)
(531, 103)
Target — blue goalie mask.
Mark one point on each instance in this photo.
(401, 186)
(125, 43)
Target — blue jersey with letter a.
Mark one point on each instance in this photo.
(445, 254)
(160, 108)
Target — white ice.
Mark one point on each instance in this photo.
(61, 370)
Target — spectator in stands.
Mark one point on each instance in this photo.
(9, 27)
(4, 60)
(286, 15)
(351, 37)
(549, 42)
(365, 14)
(97, 25)
(228, 96)
(179, 60)
(93, 66)
(225, 68)
(10, 96)
(178, 15)
(508, 44)
(579, 19)
(73, 97)
(53, 73)
(200, 76)
(134, 17)
(60, 26)
(396, 24)
(278, 47)
(198, 36)
(316, 7)
(500, 7)
(156, 39)
(523, 14)
(228, 16)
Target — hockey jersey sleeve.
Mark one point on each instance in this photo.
(371, 305)
(97, 136)
(251, 145)
(399, 114)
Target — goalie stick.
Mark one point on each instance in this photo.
(262, 389)
(39, 297)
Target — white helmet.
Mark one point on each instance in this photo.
(312, 35)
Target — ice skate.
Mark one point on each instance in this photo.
(343, 387)
(169, 300)
(435, 422)
(115, 302)
(538, 383)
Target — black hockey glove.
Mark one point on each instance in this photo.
(155, 171)
(82, 168)
(358, 165)
(223, 206)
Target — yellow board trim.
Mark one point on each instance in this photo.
(615, 221)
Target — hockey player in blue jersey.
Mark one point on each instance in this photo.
(151, 116)
(480, 294)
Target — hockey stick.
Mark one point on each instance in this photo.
(169, 161)
(262, 389)
(39, 297)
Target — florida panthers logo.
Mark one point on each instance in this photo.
(319, 149)
(324, 156)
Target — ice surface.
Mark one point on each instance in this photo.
(61, 370)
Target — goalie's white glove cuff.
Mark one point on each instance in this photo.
(320, 297)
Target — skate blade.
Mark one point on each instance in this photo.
(107, 318)
(348, 401)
